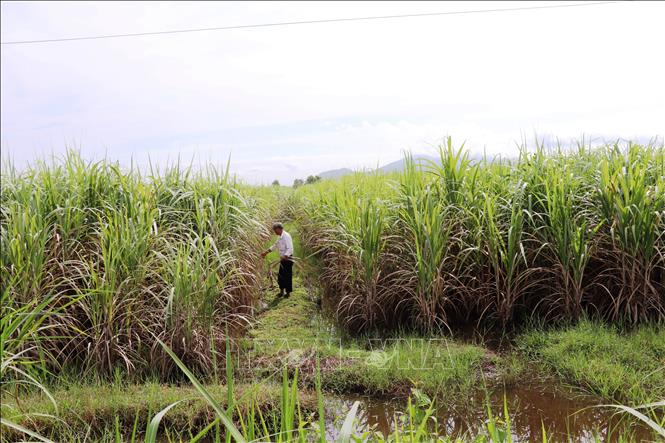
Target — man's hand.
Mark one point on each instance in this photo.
(284, 257)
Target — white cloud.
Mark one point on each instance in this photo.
(290, 101)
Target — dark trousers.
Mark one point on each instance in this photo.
(285, 275)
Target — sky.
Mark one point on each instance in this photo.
(285, 102)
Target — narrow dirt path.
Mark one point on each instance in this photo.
(294, 318)
(297, 317)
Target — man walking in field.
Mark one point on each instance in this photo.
(284, 245)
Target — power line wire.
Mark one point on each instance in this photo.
(332, 20)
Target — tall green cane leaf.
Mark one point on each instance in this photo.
(26, 431)
(347, 427)
(153, 426)
(319, 401)
(229, 381)
(224, 418)
(646, 420)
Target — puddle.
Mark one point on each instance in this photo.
(564, 417)
(532, 406)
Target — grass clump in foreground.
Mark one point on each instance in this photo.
(98, 410)
(438, 367)
(622, 366)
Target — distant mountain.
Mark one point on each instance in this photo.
(399, 164)
(396, 166)
(335, 173)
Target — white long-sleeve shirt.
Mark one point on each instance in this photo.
(284, 245)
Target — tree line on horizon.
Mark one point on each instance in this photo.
(299, 182)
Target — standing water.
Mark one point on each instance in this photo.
(531, 407)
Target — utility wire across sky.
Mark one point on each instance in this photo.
(307, 22)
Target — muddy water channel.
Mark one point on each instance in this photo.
(564, 415)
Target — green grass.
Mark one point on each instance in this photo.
(293, 332)
(439, 368)
(294, 318)
(616, 366)
(621, 366)
(95, 408)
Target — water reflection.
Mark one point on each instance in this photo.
(531, 408)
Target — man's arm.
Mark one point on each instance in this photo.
(269, 250)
